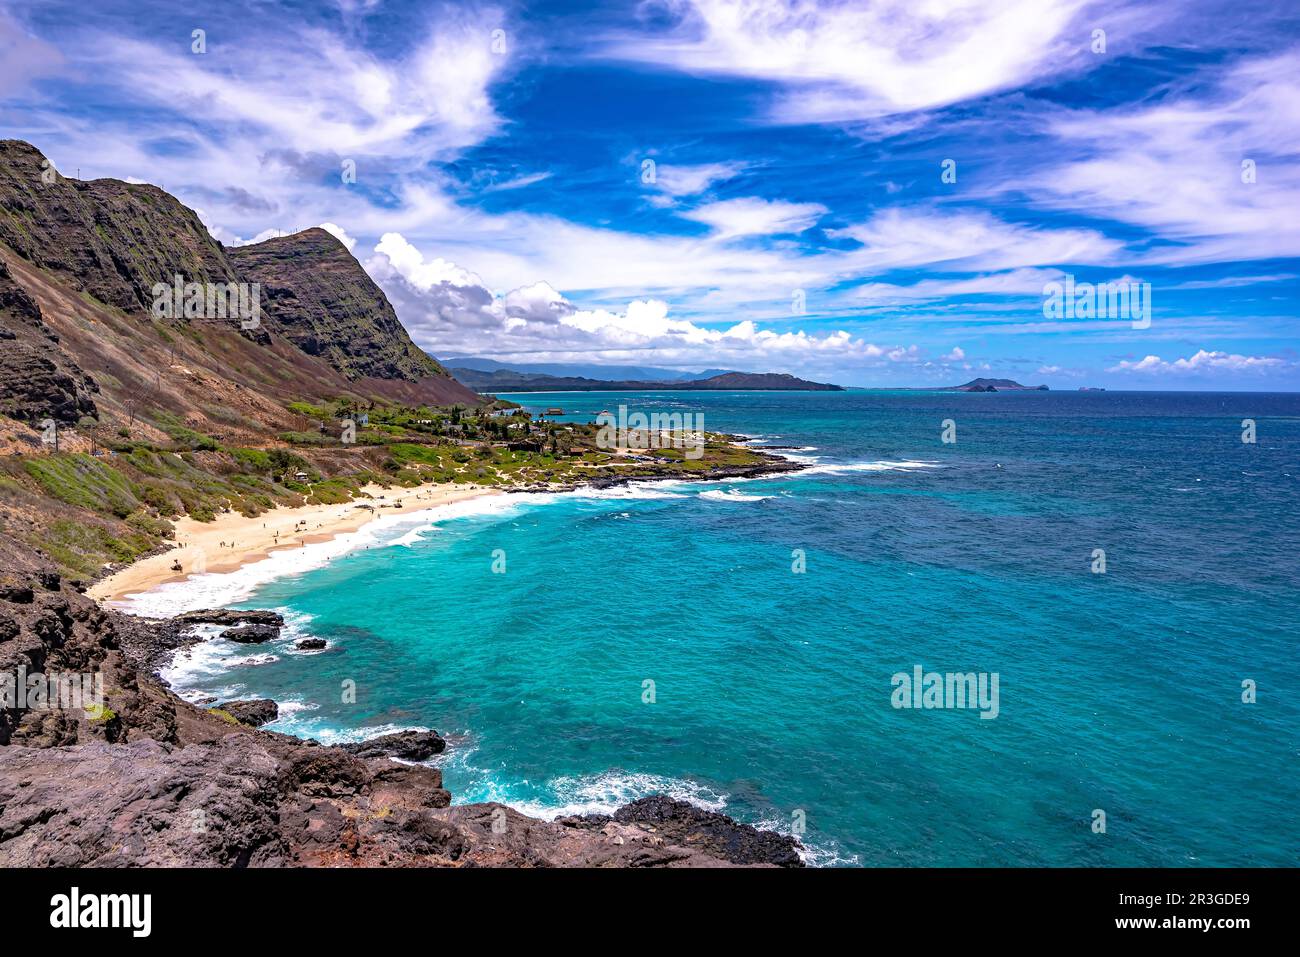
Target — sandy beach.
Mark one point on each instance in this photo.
(233, 540)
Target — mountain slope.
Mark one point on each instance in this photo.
(318, 296)
(89, 254)
(104, 237)
(38, 380)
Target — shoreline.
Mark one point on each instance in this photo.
(232, 541)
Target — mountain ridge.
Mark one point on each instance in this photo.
(89, 255)
(507, 380)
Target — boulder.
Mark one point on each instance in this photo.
(406, 745)
(311, 644)
(255, 711)
(677, 822)
(229, 616)
(251, 634)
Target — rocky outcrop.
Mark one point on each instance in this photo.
(230, 616)
(38, 379)
(251, 634)
(254, 712)
(680, 823)
(311, 644)
(252, 800)
(406, 745)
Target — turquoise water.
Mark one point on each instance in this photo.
(772, 689)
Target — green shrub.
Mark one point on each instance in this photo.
(82, 480)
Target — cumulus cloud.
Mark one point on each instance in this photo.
(1203, 362)
(339, 233)
(451, 308)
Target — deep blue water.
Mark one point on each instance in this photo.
(1119, 691)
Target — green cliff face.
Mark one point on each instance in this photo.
(317, 296)
(325, 328)
(110, 239)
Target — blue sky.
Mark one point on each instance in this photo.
(755, 185)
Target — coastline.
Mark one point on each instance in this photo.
(232, 540)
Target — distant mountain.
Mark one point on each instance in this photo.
(994, 385)
(581, 370)
(510, 380)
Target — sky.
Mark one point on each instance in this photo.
(869, 193)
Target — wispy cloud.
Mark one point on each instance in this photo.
(840, 61)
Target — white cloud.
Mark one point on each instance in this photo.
(969, 240)
(23, 57)
(1203, 362)
(320, 95)
(450, 309)
(519, 182)
(1176, 168)
(691, 180)
(853, 60)
(339, 233)
(752, 216)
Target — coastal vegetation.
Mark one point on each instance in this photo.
(108, 499)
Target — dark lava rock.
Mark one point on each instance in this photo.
(257, 711)
(311, 644)
(9, 628)
(226, 616)
(18, 594)
(407, 745)
(49, 580)
(685, 824)
(327, 772)
(251, 634)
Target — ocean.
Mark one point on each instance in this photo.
(736, 644)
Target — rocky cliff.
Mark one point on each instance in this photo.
(90, 253)
(318, 296)
(110, 239)
(38, 379)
